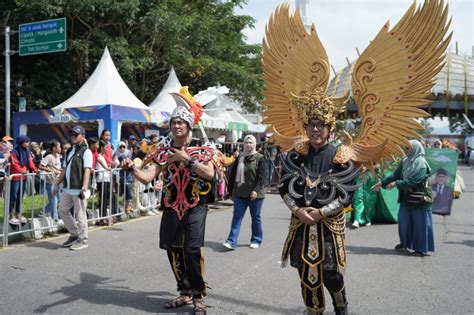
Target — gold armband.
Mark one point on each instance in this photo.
(295, 211)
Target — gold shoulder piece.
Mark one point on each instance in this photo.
(344, 153)
(302, 147)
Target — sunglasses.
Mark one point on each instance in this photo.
(122, 147)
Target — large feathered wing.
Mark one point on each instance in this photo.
(394, 76)
(294, 62)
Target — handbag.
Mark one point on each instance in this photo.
(419, 195)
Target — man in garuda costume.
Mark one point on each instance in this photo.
(188, 172)
(391, 78)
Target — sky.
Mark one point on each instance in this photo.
(344, 25)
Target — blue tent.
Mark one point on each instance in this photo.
(103, 102)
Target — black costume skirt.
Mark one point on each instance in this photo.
(330, 260)
(188, 232)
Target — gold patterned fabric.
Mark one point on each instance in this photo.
(316, 250)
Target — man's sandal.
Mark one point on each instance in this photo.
(199, 307)
(181, 300)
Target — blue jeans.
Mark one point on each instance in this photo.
(52, 206)
(15, 196)
(240, 206)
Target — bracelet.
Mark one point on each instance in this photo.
(295, 211)
(189, 162)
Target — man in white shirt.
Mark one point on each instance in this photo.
(75, 174)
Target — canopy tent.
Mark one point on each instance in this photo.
(164, 102)
(103, 102)
(222, 111)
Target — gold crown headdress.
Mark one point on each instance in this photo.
(317, 105)
(390, 80)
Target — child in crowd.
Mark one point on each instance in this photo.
(51, 163)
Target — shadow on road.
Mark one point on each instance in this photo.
(256, 306)
(361, 250)
(99, 290)
(469, 243)
(46, 245)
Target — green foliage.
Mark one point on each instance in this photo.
(456, 124)
(427, 129)
(202, 39)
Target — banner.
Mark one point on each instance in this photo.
(444, 164)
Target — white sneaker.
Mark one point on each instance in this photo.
(368, 224)
(60, 224)
(254, 246)
(228, 246)
(355, 224)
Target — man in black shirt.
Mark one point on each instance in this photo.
(187, 175)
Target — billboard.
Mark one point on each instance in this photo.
(444, 164)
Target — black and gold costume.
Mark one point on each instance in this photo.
(313, 179)
(182, 228)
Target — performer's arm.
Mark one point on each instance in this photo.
(205, 170)
(331, 208)
(290, 203)
(146, 176)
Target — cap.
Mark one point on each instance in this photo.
(7, 138)
(132, 138)
(78, 129)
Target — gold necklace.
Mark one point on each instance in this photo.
(312, 184)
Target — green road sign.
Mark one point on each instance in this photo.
(42, 37)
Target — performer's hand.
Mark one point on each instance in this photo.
(127, 164)
(179, 156)
(253, 195)
(304, 216)
(315, 214)
(377, 186)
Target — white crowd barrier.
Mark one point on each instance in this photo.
(113, 195)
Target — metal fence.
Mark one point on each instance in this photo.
(114, 194)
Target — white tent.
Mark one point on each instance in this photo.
(104, 87)
(224, 109)
(164, 101)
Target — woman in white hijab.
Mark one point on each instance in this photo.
(246, 186)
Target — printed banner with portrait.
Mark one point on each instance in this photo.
(444, 164)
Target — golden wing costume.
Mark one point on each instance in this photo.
(391, 79)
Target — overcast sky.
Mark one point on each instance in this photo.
(345, 24)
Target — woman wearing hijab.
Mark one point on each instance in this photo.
(20, 163)
(246, 182)
(415, 223)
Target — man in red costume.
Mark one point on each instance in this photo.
(187, 172)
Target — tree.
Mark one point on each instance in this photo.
(427, 129)
(202, 39)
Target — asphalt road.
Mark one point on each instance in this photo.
(123, 271)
